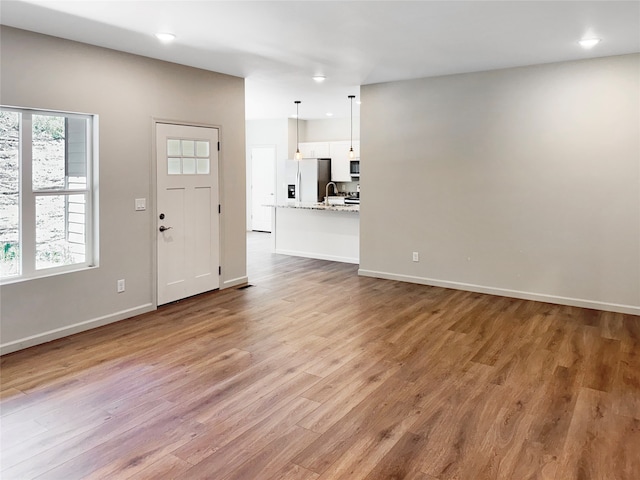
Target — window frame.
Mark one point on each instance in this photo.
(28, 196)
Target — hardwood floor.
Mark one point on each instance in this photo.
(316, 373)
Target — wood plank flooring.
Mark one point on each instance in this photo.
(316, 373)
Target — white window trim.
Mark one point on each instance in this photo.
(27, 196)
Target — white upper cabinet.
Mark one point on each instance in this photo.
(340, 167)
(315, 150)
(338, 152)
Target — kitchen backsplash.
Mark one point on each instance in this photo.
(348, 187)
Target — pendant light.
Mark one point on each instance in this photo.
(298, 154)
(352, 154)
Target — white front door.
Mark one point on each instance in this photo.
(187, 223)
(263, 161)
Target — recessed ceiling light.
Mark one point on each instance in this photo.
(319, 78)
(329, 114)
(589, 42)
(165, 37)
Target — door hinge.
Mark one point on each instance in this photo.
(219, 270)
(218, 146)
(219, 208)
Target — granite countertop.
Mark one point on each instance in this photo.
(320, 206)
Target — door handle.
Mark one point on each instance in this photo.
(163, 228)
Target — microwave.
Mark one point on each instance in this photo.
(354, 168)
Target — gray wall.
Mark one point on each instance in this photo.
(127, 92)
(331, 129)
(523, 182)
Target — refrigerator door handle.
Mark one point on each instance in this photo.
(298, 186)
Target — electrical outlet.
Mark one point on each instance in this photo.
(120, 286)
(416, 257)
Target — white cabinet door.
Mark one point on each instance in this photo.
(305, 149)
(340, 166)
(340, 161)
(314, 150)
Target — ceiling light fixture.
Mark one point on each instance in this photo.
(589, 42)
(165, 37)
(329, 114)
(351, 152)
(319, 78)
(298, 154)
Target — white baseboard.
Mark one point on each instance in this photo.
(318, 256)
(75, 328)
(503, 292)
(234, 282)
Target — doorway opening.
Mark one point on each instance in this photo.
(262, 187)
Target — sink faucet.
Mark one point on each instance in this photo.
(326, 192)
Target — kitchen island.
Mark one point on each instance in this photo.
(326, 232)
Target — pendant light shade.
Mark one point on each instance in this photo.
(298, 154)
(352, 154)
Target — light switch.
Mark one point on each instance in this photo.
(141, 204)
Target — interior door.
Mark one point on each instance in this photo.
(262, 187)
(188, 223)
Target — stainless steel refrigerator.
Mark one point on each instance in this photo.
(307, 179)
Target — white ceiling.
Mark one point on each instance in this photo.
(278, 46)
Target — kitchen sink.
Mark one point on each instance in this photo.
(336, 200)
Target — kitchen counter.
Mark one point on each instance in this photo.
(325, 232)
(353, 208)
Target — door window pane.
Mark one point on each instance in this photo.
(173, 166)
(203, 166)
(188, 148)
(188, 157)
(173, 148)
(189, 166)
(202, 149)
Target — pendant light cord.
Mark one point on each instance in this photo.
(297, 102)
(351, 97)
(351, 153)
